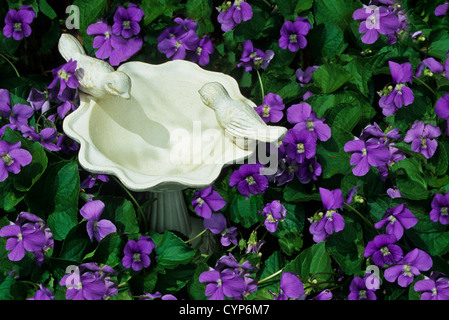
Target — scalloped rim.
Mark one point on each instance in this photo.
(75, 125)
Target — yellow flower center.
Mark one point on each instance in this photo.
(7, 159)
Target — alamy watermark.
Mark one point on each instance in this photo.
(211, 147)
(372, 282)
(73, 20)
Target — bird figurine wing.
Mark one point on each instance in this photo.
(239, 120)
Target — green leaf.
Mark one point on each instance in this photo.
(439, 44)
(174, 280)
(55, 196)
(330, 77)
(291, 8)
(171, 251)
(252, 29)
(338, 12)
(347, 246)
(429, 236)
(156, 8)
(5, 288)
(327, 40)
(361, 74)
(200, 11)
(332, 157)
(121, 212)
(295, 191)
(109, 250)
(195, 288)
(313, 262)
(46, 9)
(246, 211)
(9, 196)
(76, 243)
(410, 179)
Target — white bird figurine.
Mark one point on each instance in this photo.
(96, 77)
(238, 119)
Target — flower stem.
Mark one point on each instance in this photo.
(139, 208)
(195, 237)
(12, 65)
(425, 84)
(261, 84)
(270, 276)
(361, 216)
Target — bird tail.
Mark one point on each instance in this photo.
(68, 46)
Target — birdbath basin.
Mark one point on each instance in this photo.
(162, 140)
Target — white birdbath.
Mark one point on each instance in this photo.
(162, 140)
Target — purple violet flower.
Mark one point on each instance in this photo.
(428, 67)
(18, 114)
(365, 154)
(217, 224)
(375, 130)
(126, 21)
(442, 10)
(232, 14)
(300, 144)
(65, 76)
(394, 193)
(408, 267)
(137, 253)
(308, 170)
(383, 250)
(202, 52)
(249, 180)
(396, 220)
(86, 286)
(207, 201)
(293, 34)
(305, 77)
(176, 47)
(12, 158)
(324, 295)
(66, 144)
(401, 95)
(103, 39)
(421, 137)
(43, 293)
(304, 118)
(376, 20)
(274, 212)
(253, 57)
(90, 180)
(123, 49)
(326, 223)
(46, 137)
(271, 109)
(156, 295)
(38, 100)
(22, 238)
(442, 109)
(440, 208)
(39, 225)
(290, 287)
(96, 228)
(359, 291)
(17, 23)
(221, 284)
(435, 287)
